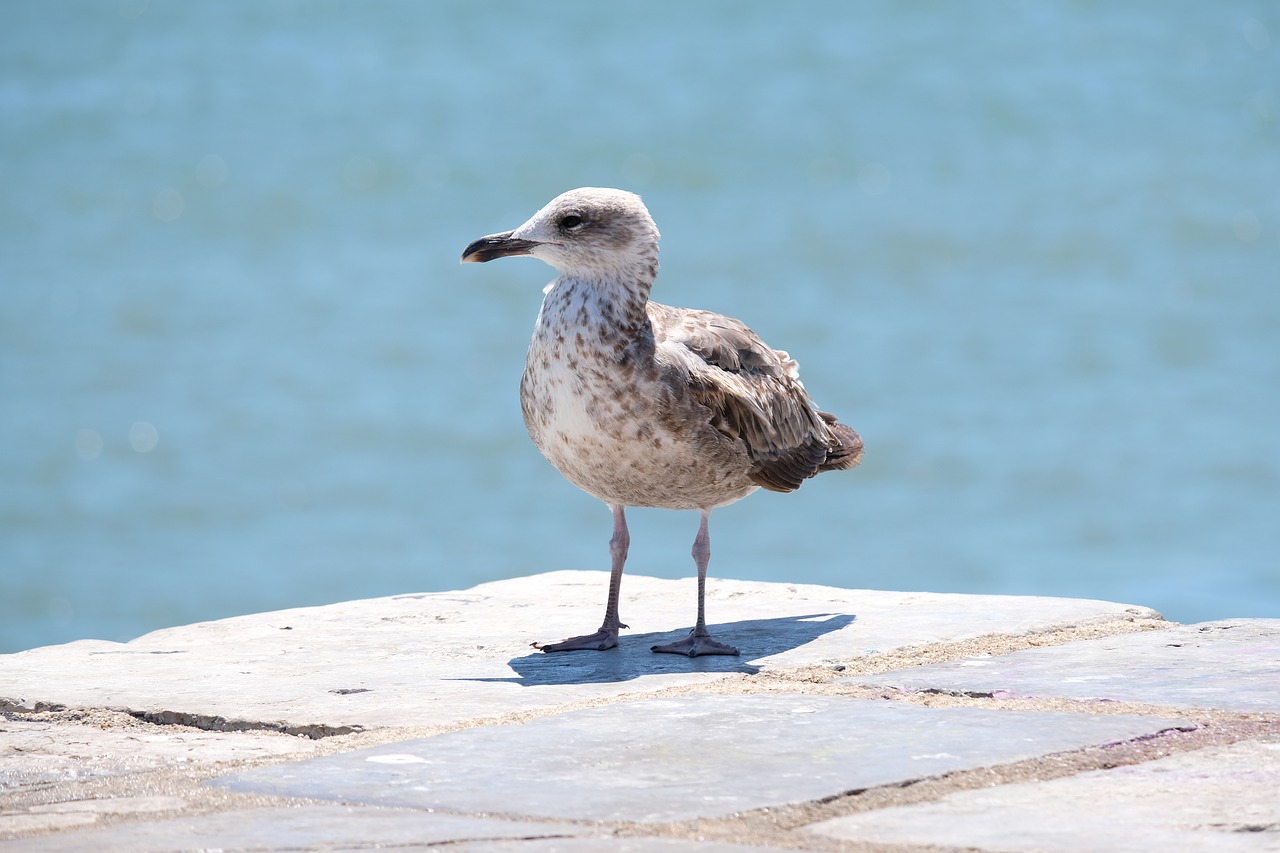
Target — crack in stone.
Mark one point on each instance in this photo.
(204, 722)
(967, 694)
(20, 706)
(1244, 827)
(214, 723)
(1189, 727)
(496, 839)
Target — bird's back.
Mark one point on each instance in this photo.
(753, 396)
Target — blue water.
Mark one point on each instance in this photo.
(1031, 251)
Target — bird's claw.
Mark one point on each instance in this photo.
(597, 642)
(696, 644)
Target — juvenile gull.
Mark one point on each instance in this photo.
(642, 404)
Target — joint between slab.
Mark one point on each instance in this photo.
(203, 722)
(933, 788)
(214, 723)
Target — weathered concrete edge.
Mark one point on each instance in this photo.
(1000, 622)
(907, 657)
(791, 678)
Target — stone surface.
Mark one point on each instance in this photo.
(449, 658)
(610, 844)
(12, 825)
(1231, 665)
(115, 805)
(1214, 799)
(74, 813)
(330, 828)
(40, 752)
(487, 745)
(686, 757)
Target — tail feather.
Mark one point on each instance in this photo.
(785, 472)
(847, 451)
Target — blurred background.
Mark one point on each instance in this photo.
(1030, 251)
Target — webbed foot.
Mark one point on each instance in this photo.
(696, 644)
(605, 638)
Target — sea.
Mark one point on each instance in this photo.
(1030, 250)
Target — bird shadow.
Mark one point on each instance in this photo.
(631, 658)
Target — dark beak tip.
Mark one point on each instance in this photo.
(479, 251)
(496, 246)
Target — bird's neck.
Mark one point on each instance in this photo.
(610, 302)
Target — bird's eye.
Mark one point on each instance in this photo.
(571, 221)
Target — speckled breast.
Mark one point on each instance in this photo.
(617, 433)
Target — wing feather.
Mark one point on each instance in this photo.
(753, 394)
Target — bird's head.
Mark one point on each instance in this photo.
(584, 233)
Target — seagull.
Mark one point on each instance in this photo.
(645, 405)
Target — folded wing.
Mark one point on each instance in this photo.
(753, 394)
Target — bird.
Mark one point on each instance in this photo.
(642, 404)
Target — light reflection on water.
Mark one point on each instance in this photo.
(1030, 252)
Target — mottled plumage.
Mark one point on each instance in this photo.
(643, 404)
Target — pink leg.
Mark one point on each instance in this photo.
(699, 641)
(607, 636)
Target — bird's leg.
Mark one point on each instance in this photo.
(699, 641)
(607, 636)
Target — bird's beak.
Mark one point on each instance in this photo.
(497, 246)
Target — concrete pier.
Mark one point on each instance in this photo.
(853, 720)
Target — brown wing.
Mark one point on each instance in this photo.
(753, 393)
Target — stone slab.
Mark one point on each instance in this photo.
(322, 827)
(1230, 665)
(449, 658)
(610, 844)
(686, 757)
(1214, 799)
(73, 813)
(39, 753)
